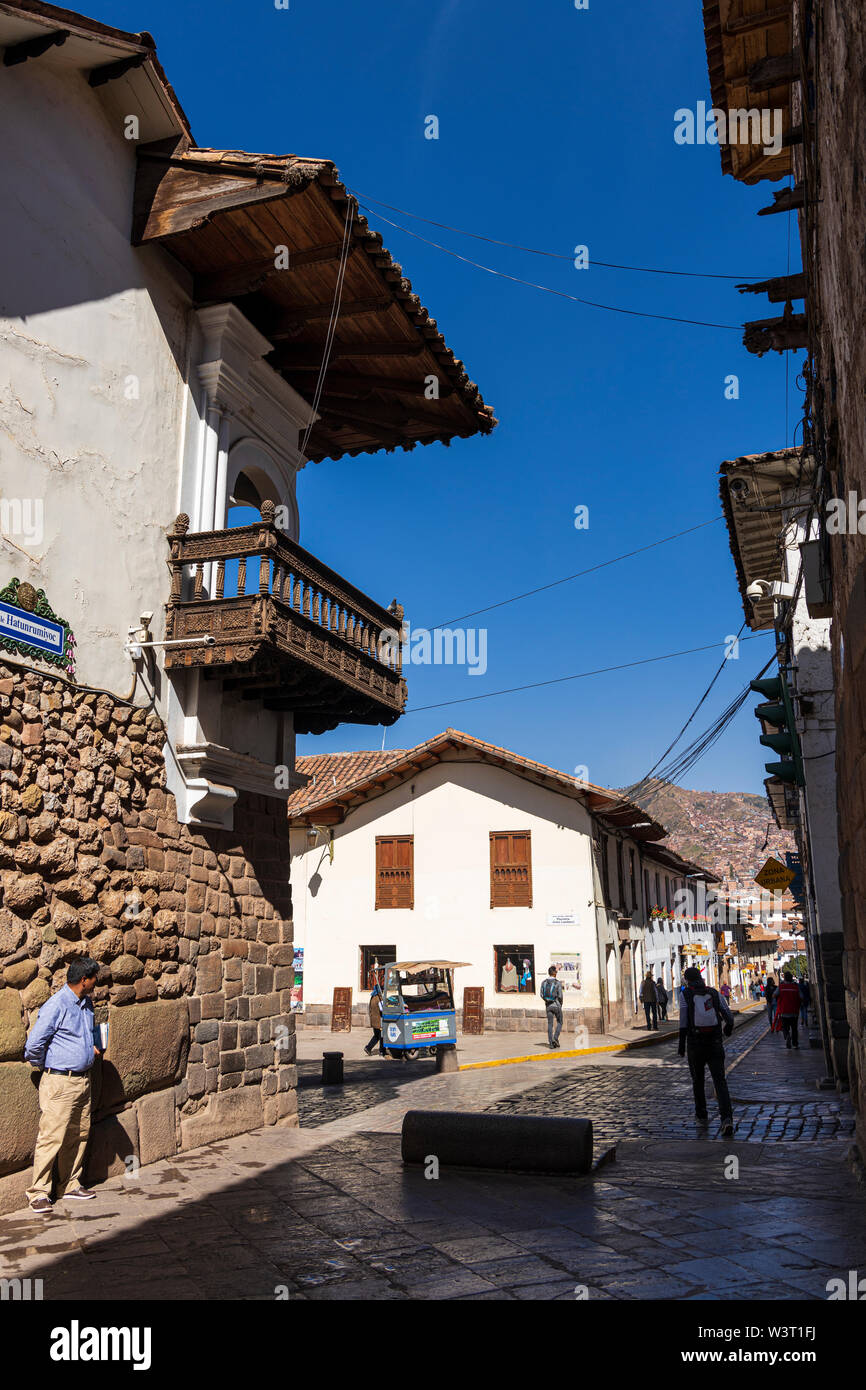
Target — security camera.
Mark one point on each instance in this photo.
(209, 641)
(739, 489)
(763, 588)
(145, 619)
(758, 589)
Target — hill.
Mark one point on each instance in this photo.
(731, 833)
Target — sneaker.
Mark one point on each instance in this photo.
(727, 1127)
(42, 1205)
(81, 1194)
(368, 1051)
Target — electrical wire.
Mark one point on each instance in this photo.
(332, 322)
(580, 573)
(552, 255)
(547, 289)
(580, 675)
(636, 786)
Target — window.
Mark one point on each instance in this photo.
(620, 881)
(373, 962)
(514, 969)
(633, 879)
(667, 893)
(510, 868)
(646, 888)
(395, 871)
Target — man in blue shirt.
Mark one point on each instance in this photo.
(64, 1042)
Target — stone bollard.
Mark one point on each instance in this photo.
(446, 1059)
(526, 1143)
(332, 1068)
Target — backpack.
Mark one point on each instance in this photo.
(705, 1015)
(548, 990)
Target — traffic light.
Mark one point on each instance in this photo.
(780, 731)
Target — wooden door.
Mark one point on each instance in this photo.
(341, 1011)
(473, 1009)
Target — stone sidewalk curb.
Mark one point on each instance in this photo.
(746, 1012)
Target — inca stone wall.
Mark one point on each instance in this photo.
(192, 932)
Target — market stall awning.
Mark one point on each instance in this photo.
(270, 233)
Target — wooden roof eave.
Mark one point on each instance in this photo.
(181, 191)
(735, 47)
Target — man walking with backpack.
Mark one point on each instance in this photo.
(551, 993)
(704, 1016)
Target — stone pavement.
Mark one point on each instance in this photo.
(331, 1213)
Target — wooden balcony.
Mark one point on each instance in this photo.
(287, 630)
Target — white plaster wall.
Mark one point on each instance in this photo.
(84, 311)
(450, 809)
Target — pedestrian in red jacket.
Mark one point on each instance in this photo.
(787, 1004)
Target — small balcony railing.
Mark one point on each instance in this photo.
(282, 626)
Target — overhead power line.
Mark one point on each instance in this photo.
(552, 255)
(580, 573)
(580, 675)
(548, 289)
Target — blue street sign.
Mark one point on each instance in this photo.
(42, 633)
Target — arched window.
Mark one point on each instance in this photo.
(253, 476)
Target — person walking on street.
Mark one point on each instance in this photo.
(63, 1043)
(551, 993)
(725, 992)
(805, 1000)
(788, 1010)
(375, 1013)
(769, 994)
(704, 1017)
(649, 999)
(662, 997)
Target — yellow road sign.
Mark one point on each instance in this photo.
(774, 876)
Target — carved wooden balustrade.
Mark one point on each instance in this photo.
(294, 634)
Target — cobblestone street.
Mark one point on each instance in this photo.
(330, 1212)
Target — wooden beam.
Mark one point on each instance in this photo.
(785, 201)
(774, 72)
(780, 289)
(388, 415)
(33, 48)
(109, 72)
(319, 254)
(288, 324)
(360, 385)
(309, 356)
(233, 281)
(786, 334)
(371, 429)
(748, 22)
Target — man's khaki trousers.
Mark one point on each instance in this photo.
(64, 1124)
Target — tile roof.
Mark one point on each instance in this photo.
(332, 772)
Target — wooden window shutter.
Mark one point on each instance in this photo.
(395, 871)
(510, 868)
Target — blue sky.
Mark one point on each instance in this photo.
(556, 129)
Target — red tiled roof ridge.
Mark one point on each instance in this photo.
(309, 797)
